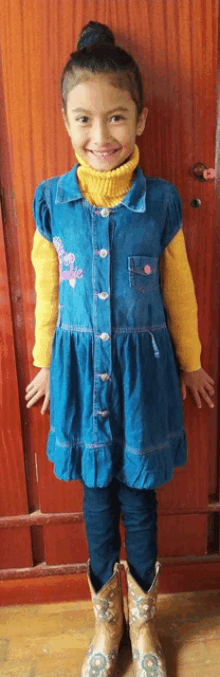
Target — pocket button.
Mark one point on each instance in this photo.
(147, 270)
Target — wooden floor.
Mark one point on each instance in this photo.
(50, 640)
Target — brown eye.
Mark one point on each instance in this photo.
(82, 118)
(118, 116)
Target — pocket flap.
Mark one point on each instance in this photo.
(144, 265)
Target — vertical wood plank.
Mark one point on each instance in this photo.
(13, 498)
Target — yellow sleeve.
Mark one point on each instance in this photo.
(45, 262)
(180, 303)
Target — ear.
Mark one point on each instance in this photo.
(142, 121)
(65, 119)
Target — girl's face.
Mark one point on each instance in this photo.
(100, 124)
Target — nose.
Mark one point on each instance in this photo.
(100, 134)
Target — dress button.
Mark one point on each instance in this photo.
(104, 413)
(103, 295)
(104, 336)
(105, 212)
(103, 253)
(104, 377)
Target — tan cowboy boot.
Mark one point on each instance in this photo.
(147, 653)
(110, 624)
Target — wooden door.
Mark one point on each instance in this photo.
(176, 46)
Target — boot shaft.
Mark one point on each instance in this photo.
(141, 604)
(147, 652)
(108, 601)
(109, 624)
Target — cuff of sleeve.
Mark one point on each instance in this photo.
(41, 366)
(195, 368)
(42, 356)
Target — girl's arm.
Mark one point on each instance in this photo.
(182, 318)
(45, 262)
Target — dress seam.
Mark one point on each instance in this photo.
(120, 441)
(121, 330)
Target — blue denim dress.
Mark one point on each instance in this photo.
(115, 399)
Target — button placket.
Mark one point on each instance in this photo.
(102, 328)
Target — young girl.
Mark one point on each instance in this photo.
(106, 353)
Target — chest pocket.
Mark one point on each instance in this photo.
(142, 273)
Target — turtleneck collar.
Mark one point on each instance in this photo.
(106, 189)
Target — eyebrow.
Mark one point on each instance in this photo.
(84, 110)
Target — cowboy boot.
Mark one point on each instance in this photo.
(147, 653)
(110, 625)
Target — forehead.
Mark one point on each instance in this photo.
(98, 94)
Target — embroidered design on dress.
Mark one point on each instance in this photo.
(67, 259)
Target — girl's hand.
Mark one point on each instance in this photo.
(198, 382)
(39, 387)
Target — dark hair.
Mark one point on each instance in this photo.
(98, 53)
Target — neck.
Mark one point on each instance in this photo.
(107, 189)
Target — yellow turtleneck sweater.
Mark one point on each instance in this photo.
(107, 189)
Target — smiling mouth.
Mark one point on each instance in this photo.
(103, 153)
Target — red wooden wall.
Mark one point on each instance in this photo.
(176, 46)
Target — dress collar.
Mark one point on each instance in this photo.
(125, 184)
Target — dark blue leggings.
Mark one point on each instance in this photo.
(101, 510)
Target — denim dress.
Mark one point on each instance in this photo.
(115, 399)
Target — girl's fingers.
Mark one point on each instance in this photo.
(33, 384)
(45, 404)
(31, 390)
(32, 393)
(30, 386)
(209, 388)
(183, 391)
(207, 398)
(34, 399)
(196, 398)
(210, 380)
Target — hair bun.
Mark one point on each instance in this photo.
(93, 35)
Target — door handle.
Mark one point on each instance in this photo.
(202, 172)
